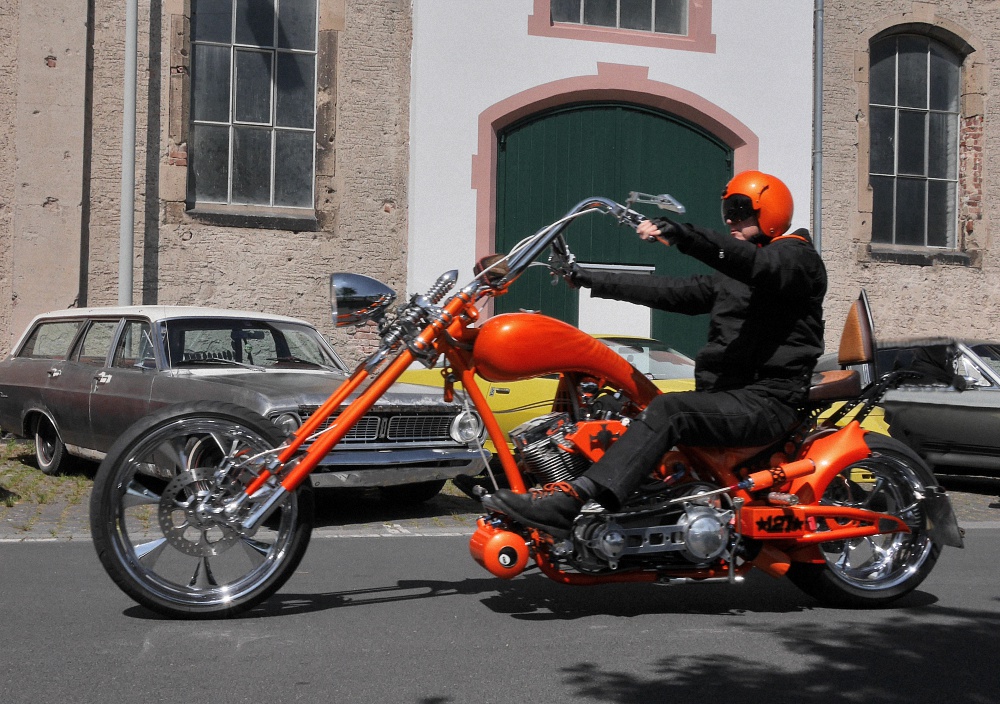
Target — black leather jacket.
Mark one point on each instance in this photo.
(766, 306)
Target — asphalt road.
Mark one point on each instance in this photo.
(388, 606)
(411, 618)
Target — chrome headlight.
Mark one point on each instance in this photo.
(466, 427)
(287, 422)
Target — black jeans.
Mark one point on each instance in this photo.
(739, 418)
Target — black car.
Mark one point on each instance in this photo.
(78, 378)
(947, 407)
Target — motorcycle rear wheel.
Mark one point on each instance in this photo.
(874, 571)
(155, 546)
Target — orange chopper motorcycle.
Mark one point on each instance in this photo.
(853, 518)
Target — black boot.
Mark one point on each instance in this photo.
(552, 508)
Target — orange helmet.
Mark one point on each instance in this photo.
(766, 195)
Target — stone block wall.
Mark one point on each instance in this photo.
(956, 293)
(362, 167)
(43, 86)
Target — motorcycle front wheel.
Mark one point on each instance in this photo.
(876, 570)
(153, 533)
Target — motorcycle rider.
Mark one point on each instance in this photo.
(753, 375)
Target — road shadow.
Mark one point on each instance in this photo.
(923, 655)
(534, 597)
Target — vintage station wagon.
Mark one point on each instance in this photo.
(77, 378)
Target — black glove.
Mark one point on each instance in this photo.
(667, 228)
(577, 276)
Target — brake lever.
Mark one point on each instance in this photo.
(664, 201)
(560, 260)
(629, 217)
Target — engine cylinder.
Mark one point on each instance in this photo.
(541, 447)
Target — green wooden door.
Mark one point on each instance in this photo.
(550, 162)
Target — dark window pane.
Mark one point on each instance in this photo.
(941, 218)
(881, 208)
(911, 209)
(671, 16)
(297, 24)
(295, 90)
(601, 13)
(636, 14)
(133, 346)
(253, 86)
(212, 21)
(293, 167)
(97, 342)
(208, 164)
(50, 340)
(912, 142)
(255, 22)
(944, 78)
(251, 165)
(882, 75)
(210, 83)
(565, 11)
(913, 72)
(882, 123)
(942, 146)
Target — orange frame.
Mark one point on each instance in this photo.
(791, 532)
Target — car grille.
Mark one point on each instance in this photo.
(394, 426)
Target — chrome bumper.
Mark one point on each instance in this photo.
(367, 468)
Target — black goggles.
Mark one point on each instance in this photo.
(737, 208)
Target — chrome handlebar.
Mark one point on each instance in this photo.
(422, 310)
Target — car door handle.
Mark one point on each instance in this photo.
(102, 377)
(54, 372)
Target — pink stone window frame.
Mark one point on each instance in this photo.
(613, 82)
(698, 38)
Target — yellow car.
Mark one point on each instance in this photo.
(514, 402)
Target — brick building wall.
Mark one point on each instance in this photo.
(944, 293)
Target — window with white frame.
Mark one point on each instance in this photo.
(914, 124)
(661, 16)
(253, 102)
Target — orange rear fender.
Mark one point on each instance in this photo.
(831, 454)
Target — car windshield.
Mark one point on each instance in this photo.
(246, 342)
(652, 357)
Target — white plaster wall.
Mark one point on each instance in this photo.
(468, 56)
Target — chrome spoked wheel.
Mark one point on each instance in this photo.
(159, 520)
(878, 562)
(876, 569)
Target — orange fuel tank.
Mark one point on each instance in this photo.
(517, 346)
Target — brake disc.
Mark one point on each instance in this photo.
(192, 531)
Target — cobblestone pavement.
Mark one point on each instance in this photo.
(62, 514)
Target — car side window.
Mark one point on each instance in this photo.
(96, 343)
(965, 367)
(50, 340)
(135, 346)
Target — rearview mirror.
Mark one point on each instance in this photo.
(355, 298)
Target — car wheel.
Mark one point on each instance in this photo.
(409, 494)
(50, 452)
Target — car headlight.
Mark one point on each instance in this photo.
(287, 422)
(466, 427)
